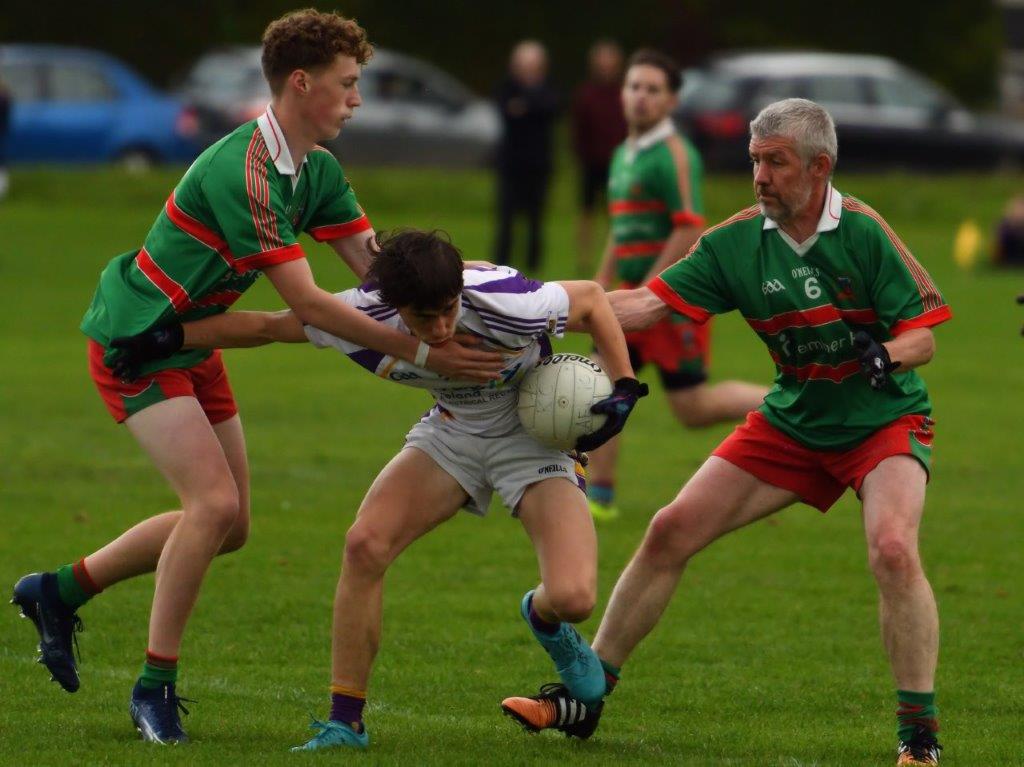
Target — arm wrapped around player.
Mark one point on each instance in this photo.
(590, 312)
(154, 344)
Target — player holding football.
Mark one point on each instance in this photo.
(469, 445)
(656, 208)
(235, 214)
(846, 313)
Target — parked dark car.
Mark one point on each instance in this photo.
(887, 116)
(78, 105)
(412, 112)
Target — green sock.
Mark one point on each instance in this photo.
(611, 676)
(915, 708)
(71, 592)
(158, 673)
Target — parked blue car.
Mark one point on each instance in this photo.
(79, 105)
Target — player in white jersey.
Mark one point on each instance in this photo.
(470, 444)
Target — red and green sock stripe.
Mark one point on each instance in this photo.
(75, 585)
(915, 709)
(158, 670)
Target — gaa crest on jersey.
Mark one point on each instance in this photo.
(845, 286)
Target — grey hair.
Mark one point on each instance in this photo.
(808, 124)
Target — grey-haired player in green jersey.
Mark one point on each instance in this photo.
(846, 313)
(236, 214)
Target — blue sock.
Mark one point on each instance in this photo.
(603, 494)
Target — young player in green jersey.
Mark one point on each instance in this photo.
(235, 214)
(846, 313)
(657, 212)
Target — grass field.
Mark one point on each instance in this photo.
(768, 656)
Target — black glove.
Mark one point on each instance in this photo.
(874, 360)
(1020, 300)
(617, 407)
(155, 344)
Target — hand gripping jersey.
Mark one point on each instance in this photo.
(510, 313)
(237, 210)
(654, 185)
(805, 301)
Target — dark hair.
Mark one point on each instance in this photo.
(416, 268)
(649, 57)
(308, 39)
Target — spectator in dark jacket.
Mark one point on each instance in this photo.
(5, 113)
(528, 105)
(1010, 234)
(598, 126)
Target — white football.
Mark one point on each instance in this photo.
(555, 399)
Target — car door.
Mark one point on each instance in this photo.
(848, 100)
(24, 80)
(79, 112)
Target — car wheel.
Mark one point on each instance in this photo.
(137, 159)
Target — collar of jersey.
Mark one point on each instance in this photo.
(829, 220)
(649, 138)
(276, 145)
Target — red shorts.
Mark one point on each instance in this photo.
(678, 346)
(207, 382)
(819, 477)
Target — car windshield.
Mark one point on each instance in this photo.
(704, 91)
(226, 74)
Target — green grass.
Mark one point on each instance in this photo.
(769, 655)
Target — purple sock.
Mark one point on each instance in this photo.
(540, 624)
(346, 708)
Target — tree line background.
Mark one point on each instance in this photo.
(955, 42)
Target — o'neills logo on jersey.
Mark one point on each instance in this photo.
(772, 286)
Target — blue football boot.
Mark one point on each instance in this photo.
(331, 734)
(154, 711)
(577, 665)
(39, 599)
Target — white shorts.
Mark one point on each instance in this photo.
(508, 464)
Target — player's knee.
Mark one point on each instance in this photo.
(238, 534)
(671, 536)
(894, 557)
(573, 604)
(366, 550)
(216, 510)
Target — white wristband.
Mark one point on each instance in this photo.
(421, 355)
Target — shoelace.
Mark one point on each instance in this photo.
(551, 690)
(922, 746)
(175, 704)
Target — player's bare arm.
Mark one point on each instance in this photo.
(315, 306)
(357, 251)
(590, 312)
(637, 309)
(676, 247)
(912, 349)
(605, 276)
(241, 330)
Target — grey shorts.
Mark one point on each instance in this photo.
(508, 464)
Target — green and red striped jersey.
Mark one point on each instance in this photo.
(654, 185)
(237, 210)
(804, 301)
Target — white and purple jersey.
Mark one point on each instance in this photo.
(510, 313)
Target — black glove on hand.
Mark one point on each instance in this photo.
(617, 407)
(874, 360)
(156, 344)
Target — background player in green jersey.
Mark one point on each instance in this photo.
(657, 213)
(846, 313)
(236, 214)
